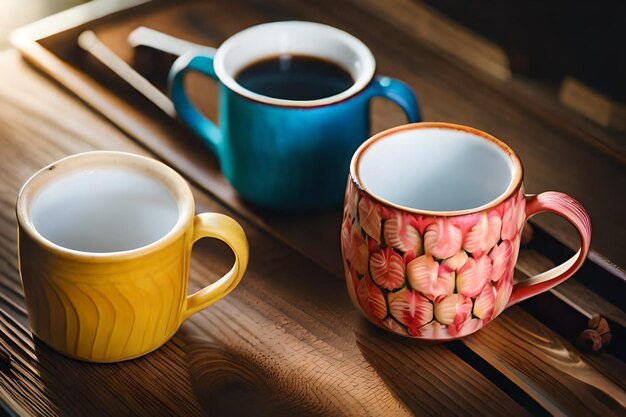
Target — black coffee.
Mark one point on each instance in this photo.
(295, 77)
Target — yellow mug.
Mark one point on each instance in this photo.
(104, 246)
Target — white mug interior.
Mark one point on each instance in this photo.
(299, 38)
(104, 202)
(443, 169)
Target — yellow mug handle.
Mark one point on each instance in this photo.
(218, 226)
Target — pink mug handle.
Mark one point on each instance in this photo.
(570, 209)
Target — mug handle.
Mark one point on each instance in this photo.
(218, 226)
(202, 62)
(399, 93)
(572, 211)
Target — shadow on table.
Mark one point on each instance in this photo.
(404, 364)
(228, 383)
(155, 384)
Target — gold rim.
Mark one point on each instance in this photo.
(514, 186)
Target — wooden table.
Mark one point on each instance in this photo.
(288, 341)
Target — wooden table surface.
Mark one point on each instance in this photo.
(288, 341)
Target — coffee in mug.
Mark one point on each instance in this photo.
(294, 100)
(295, 77)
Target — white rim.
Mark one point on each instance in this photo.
(513, 186)
(366, 62)
(177, 185)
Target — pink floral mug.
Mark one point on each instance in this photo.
(431, 230)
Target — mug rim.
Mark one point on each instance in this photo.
(176, 185)
(356, 44)
(512, 189)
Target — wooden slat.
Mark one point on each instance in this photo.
(405, 364)
(549, 369)
(592, 104)
(561, 379)
(283, 340)
(444, 35)
(531, 262)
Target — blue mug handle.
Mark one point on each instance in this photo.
(385, 87)
(399, 93)
(202, 63)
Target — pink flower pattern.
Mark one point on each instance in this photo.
(401, 235)
(457, 261)
(473, 276)
(387, 268)
(443, 239)
(354, 247)
(484, 234)
(504, 287)
(371, 298)
(430, 277)
(369, 218)
(391, 324)
(485, 302)
(409, 308)
(513, 216)
(501, 258)
(445, 309)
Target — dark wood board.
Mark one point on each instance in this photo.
(289, 334)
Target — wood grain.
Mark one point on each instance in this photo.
(283, 340)
(400, 366)
(444, 35)
(289, 334)
(42, 382)
(597, 107)
(547, 367)
(531, 262)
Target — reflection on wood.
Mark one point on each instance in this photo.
(552, 369)
(406, 365)
(287, 380)
(228, 384)
(42, 382)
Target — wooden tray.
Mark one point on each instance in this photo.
(544, 324)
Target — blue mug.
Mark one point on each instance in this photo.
(287, 154)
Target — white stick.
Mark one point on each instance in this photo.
(90, 43)
(143, 36)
